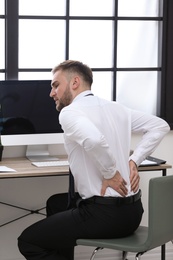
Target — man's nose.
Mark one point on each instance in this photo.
(51, 93)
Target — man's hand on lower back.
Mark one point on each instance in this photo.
(117, 183)
(134, 176)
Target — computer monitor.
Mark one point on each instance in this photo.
(28, 116)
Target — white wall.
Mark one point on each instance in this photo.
(33, 192)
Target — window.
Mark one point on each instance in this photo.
(121, 41)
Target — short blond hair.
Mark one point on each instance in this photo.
(76, 67)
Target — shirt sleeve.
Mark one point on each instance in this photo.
(78, 128)
(153, 130)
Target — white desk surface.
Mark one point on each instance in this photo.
(24, 168)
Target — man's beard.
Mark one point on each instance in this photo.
(65, 100)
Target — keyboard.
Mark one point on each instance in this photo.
(51, 163)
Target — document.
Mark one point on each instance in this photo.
(152, 161)
(148, 162)
(6, 169)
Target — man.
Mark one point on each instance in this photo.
(97, 135)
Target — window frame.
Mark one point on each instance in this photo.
(166, 99)
(165, 92)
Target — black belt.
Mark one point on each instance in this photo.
(114, 200)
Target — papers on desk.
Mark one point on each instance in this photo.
(6, 169)
(148, 162)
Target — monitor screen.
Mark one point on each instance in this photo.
(28, 115)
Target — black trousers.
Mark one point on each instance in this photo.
(54, 238)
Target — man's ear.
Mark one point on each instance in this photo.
(75, 82)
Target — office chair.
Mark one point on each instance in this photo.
(160, 223)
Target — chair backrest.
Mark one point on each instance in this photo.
(160, 219)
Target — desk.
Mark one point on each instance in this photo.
(162, 167)
(25, 169)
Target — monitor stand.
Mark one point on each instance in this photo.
(37, 153)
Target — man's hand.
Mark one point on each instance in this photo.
(117, 183)
(134, 176)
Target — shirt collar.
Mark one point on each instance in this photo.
(82, 94)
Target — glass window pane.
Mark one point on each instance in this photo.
(91, 8)
(138, 90)
(41, 43)
(138, 7)
(42, 7)
(2, 44)
(2, 8)
(2, 76)
(92, 42)
(35, 75)
(137, 44)
(102, 84)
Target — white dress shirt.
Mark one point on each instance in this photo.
(97, 136)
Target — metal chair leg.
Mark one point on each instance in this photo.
(124, 255)
(138, 255)
(94, 252)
